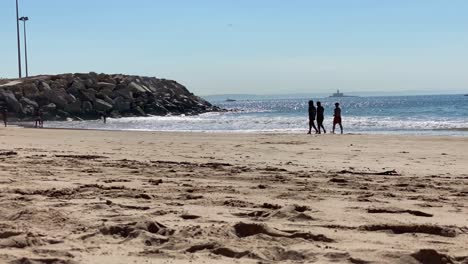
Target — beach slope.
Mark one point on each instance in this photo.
(73, 196)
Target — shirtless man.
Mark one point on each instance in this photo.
(337, 118)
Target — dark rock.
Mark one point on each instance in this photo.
(104, 85)
(30, 90)
(101, 105)
(63, 114)
(120, 104)
(43, 86)
(104, 97)
(136, 88)
(85, 95)
(50, 107)
(138, 110)
(58, 84)
(87, 107)
(28, 102)
(124, 91)
(12, 103)
(74, 108)
(57, 97)
(76, 86)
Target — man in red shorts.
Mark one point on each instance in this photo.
(337, 118)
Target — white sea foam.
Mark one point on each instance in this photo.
(229, 122)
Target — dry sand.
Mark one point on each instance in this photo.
(133, 197)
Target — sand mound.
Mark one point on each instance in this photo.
(265, 253)
(397, 211)
(425, 229)
(148, 232)
(230, 253)
(293, 213)
(43, 261)
(431, 256)
(245, 230)
(12, 239)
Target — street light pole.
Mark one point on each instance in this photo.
(24, 19)
(18, 35)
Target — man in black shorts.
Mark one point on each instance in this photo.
(312, 114)
(320, 117)
(337, 118)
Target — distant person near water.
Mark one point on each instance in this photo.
(39, 119)
(104, 117)
(337, 118)
(5, 116)
(312, 114)
(320, 118)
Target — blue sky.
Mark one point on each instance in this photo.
(250, 46)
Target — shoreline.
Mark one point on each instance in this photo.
(415, 133)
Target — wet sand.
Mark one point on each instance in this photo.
(70, 196)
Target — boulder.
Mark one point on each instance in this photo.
(29, 110)
(125, 93)
(136, 88)
(63, 114)
(156, 108)
(30, 90)
(87, 107)
(121, 105)
(87, 95)
(89, 82)
(107, 92)
(56, 97)
(105, 98)
(43, 86)
(74, 108)
(28, 102)
(138, 110)
(49, 108)
(58, 84)
(104, 85)
(76, 86)
(102, 106)
(12, 103)
(71, 98)
(106, 78)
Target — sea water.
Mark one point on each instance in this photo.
(421, 115)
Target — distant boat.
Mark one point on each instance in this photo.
(466, 94)
(230, 100)
(339, 94)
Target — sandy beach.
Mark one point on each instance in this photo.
(75, 196)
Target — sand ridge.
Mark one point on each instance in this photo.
(134, 197)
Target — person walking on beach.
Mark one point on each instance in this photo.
(39, 118)
(337, 118)
(5, 116)
(312, 114)
(320, 117)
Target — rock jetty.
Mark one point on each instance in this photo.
(89, 95)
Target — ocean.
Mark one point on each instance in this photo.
(416, 115)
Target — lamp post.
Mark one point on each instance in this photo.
(24, 19)
(18, 35)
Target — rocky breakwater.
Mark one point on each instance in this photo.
(88, 96)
